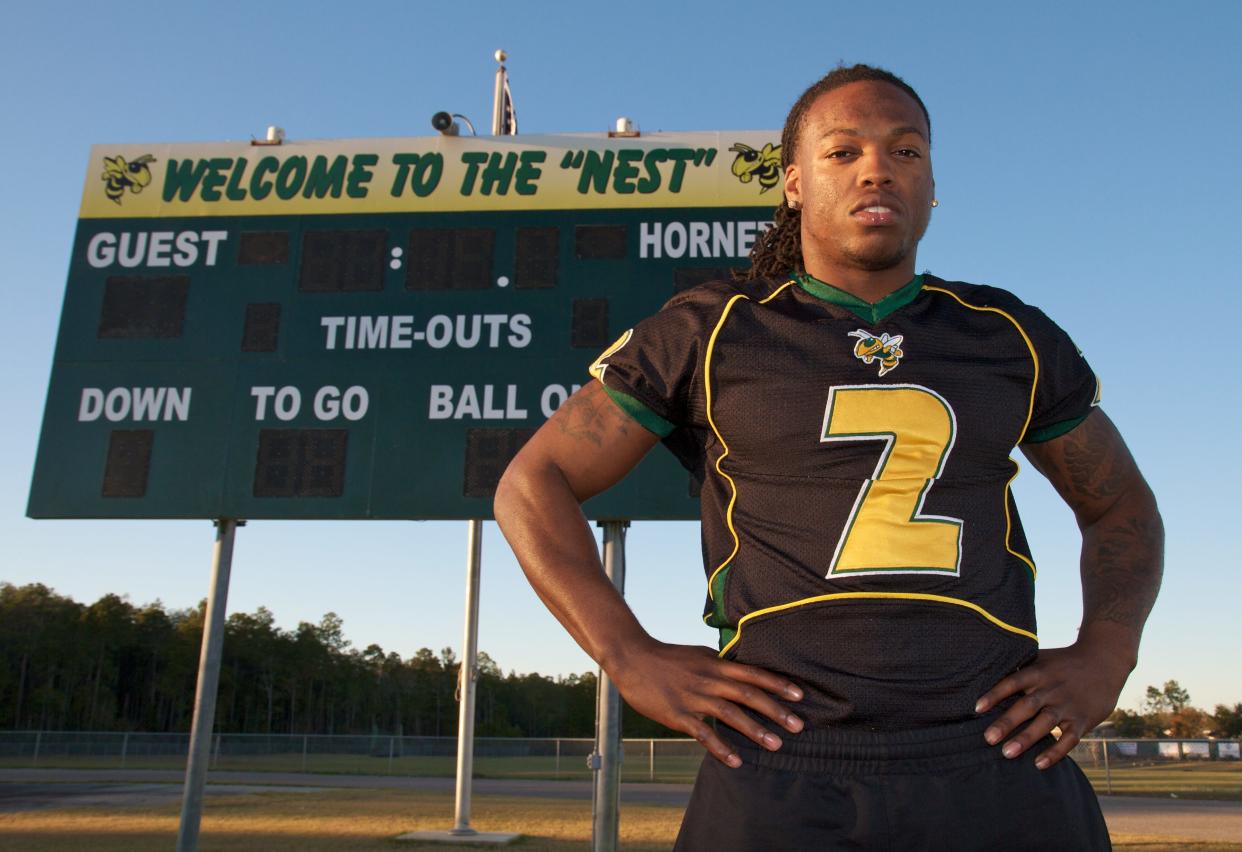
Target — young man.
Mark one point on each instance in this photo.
(879, 683)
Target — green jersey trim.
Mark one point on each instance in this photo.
(862, 309)
(1056, 430)
(645, 417)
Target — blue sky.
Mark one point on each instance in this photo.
(1085, 158)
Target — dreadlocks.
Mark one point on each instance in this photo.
(779, 251)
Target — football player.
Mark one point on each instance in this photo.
(879, 681)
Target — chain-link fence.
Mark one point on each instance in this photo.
(377, 754)
(1198, 767)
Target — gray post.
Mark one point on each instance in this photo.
(34, 757)
(1108, 774)
(303, 752)
(606, 795)
(124, 748)
(466, 682)
(208, 680)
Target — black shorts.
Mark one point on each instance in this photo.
(939, 788)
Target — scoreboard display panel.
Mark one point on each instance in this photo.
(369, 328)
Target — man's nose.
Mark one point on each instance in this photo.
(875, 170)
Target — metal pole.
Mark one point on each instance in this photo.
(1108, 773)
(208, 680)
(466, 682)
(606, 795)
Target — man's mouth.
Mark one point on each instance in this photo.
(875, 214)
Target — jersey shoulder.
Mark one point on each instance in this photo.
(1029, 318)
(717, 293)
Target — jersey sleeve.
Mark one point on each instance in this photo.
(652, 370)
(1066, 389)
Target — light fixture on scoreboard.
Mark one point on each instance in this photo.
(444, 123)
(275, 136)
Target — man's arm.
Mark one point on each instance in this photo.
(588, 445)
(1075, 688)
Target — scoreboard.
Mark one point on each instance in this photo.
(369, 328)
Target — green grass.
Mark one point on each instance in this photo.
(1189, 780)
(1186, 779)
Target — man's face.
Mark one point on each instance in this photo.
(862, 176)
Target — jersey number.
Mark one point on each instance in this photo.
(886, 532)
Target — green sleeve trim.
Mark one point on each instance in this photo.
(1056, 430)
(717, 618)
(646, 418)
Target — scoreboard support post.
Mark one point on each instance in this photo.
(466, 681)
(208, 680)
(606, 761)
(461, 832)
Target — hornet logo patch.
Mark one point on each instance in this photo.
(763, 166)
(119, 175)
(878, 347)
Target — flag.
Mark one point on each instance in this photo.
(508, 117)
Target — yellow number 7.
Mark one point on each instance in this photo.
(886, 532)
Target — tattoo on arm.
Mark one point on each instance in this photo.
(1122, 566)
(1097, 464)
(1123, 537)
(590, 416)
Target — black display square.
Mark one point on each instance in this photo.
(488, 453)
(143, 307)
(301, 463)
(128, 463)
(600, 242)
(342, 261)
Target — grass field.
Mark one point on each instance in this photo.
(337, 820)
(1191, 780)
(1216, 779)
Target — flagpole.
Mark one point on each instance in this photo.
(498, 99)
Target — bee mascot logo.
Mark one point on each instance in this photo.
(762, 166)
(878, 347)
(119, 175)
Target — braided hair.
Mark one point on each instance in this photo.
(779, 250)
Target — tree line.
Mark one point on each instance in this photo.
(113, 666)
(1167, 712)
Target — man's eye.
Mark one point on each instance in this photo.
(908, 152)
(839, 154)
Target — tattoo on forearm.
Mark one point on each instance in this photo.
(589, 416)
(1123, 563)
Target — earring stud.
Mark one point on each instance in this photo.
(935, 202)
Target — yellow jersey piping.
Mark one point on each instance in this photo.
(1017, 468)
(1030, 412)
(909, 596)
(707, 387)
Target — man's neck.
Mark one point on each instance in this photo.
(869, 285)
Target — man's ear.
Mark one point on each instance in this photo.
(793, 186)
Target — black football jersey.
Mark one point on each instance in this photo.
(859, 534)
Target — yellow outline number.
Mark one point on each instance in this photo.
(887, 533)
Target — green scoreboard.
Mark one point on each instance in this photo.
(369, 328)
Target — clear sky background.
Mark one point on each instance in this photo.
(1086, 158)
